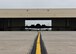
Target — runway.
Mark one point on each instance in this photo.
(22, 42)
(16, 42)
(60, 42)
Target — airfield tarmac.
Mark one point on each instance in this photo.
(16, 42)
(21, 42)
(60, 42)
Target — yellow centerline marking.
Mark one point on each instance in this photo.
(38, 46)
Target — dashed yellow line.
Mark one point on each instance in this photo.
(38, 46)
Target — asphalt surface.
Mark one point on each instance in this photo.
(55, 42)
(16, 42)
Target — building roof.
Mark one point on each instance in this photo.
(38, 13)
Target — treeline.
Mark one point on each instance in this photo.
(38, 26)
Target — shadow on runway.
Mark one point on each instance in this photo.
(43, 48)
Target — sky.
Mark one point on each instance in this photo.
(41, 22)
(9, 4)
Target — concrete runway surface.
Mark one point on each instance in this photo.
(60, 42)
(16, 42)
(21, 42)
